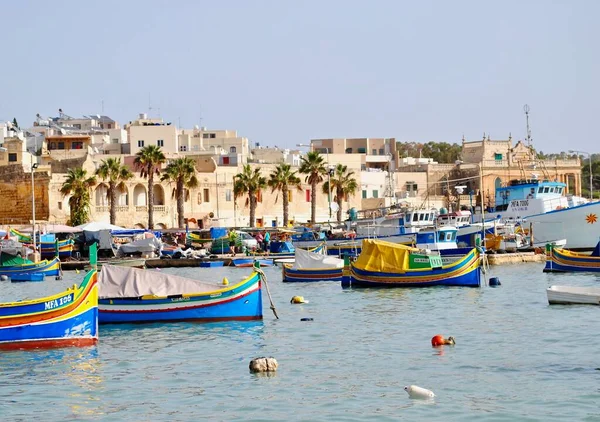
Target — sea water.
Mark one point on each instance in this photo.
(516, 358)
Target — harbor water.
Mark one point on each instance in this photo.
(516, 358)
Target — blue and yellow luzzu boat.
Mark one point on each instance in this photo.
(560, 260)
(384, 264)
(130, 295)
(66, 319)
(65, 249)
(310, 266)
(48, 267)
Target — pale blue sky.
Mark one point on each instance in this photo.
(283, 72)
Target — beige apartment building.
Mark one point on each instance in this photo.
(375, 153)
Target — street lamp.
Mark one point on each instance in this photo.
(33, 167)
(330, 172)
(591, 177)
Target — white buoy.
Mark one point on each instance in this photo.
(416, 392)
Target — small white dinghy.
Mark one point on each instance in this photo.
(570, 295)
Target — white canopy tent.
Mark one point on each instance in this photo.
(96, 226)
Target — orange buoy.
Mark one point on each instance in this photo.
(439, 340)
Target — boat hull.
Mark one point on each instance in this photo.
(567, 295)
(49, 268)
(311, 275)
(249, 262)
(240, 302)
(560, 261)
(67, 319)
(466, 273)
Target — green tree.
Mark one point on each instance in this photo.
(283, 179)
(15, 123)
(181, 172)
(249, 182)
(148, 161)
(116, 174)
(313, 165)
(78, 185)
(343, 184)
(442, 152)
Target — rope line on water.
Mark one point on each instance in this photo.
(263, 278)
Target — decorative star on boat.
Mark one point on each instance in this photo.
(591, 218)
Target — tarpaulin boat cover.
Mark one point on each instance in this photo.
(311, 260)
(120, 282)
(385, 257)
(596, 251)
(142, 245)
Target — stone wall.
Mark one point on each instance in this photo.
(15, 191)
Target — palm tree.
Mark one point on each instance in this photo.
(282, 179)
(78, 185)
(182, 172)
(249, 182)
(148, 160)
(343, 184)
(116, 174)
(313, 166)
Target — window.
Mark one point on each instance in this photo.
(546, 189)
(290, 196)
(551, 190)
(374, 151)
(348, 150)
(415, 217)
(140, 144)
(160, 142)
(182, 148)
(364, 194)
(259, 196)
(228, 195)
(61, 145)
(77, 145)
(225, 161)
(540, 190)
(441, 236)
(209, 135)
(307, 195)
(109, 126)
(380, 151)
(449, 236)
(426, 217)
(60, 205)
(77, 126)
(375, 193)
(362, 150)
(421, 217)
(232, 150)
(498, 156)
(206, 195)
(115, 140)
(52, 146)
(12, 157)
(199, 198)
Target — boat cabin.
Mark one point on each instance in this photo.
(455, 219)
(527, 189)
(442, 238)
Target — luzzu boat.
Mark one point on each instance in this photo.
(560, 260)
(129, 295)
(65, 249)
(384, 264)
(249, 262)
(311, 266)
(69, 318)
(47, 267)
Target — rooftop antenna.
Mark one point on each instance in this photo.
(149, 105)
(102, 106)
(526, 110)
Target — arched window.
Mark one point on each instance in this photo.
(101, 195)
(159, 195)
(498, 183)
(232, 150)
(139, 195)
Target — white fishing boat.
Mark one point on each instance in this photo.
(571, 295)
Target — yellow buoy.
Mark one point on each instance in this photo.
(225, 281)
(77, 270)
(298, 299)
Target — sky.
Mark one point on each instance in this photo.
(284, 72)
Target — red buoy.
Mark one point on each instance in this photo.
(439, 340)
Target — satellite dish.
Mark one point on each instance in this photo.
(334, 206)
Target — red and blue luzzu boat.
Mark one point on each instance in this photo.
(130, 295)
(69, 318)
(560, 260)
(384, 264)
(310, 266)
(250, 262)
(47, 267)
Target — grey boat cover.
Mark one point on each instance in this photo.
(150, 244)
(120, 282)
(306, 260)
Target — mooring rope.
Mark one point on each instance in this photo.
(263, 278)
(485, 265)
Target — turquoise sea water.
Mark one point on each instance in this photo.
(516, 358)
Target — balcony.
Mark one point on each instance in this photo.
(102, 208)
(141, 208)
(370, 158)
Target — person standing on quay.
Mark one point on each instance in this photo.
(232, 241)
